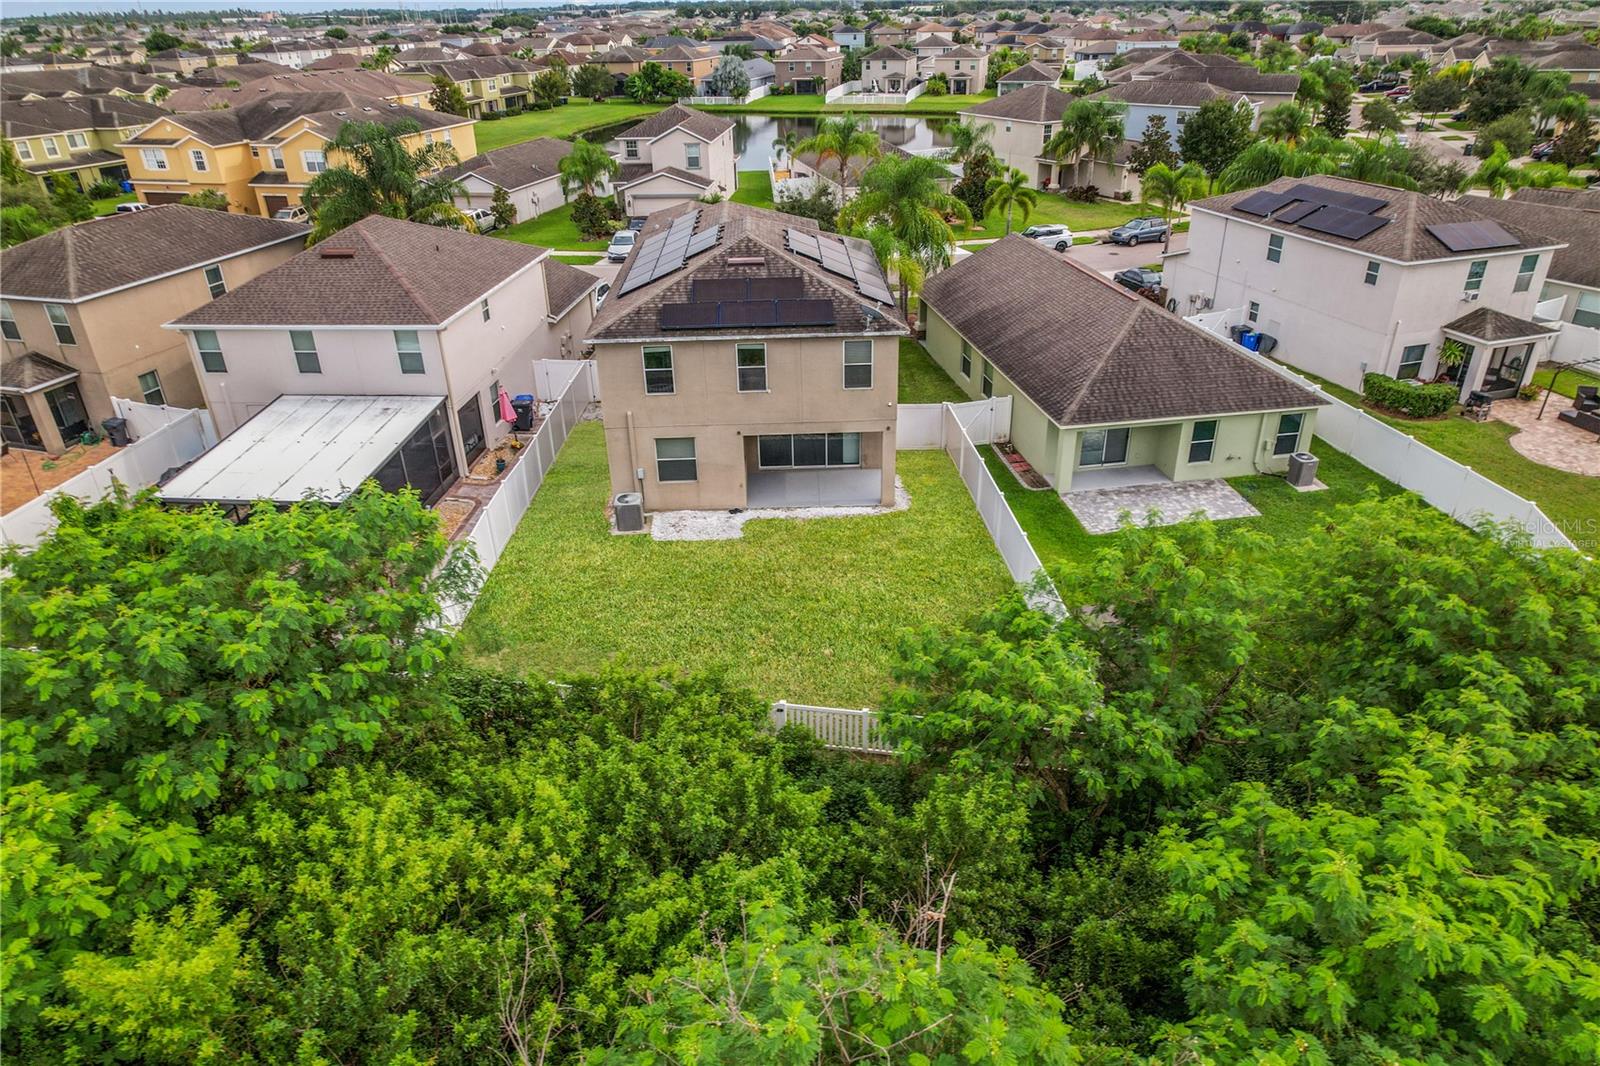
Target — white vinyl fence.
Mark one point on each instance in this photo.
(1576, 344)
(840, 728)
(1457, 490)
(731, 101)
(168, 437)
(498, 519)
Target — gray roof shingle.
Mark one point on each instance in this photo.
(565, 285)
(1577, 263)
(1121, 359)
(1035, 103)
(706, 126)
(516, 165)
(26, 372)
(1487, 324)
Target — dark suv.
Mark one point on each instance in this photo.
(1139, 230)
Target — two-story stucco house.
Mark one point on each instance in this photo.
(1568, 215)
(489, 83)
(675, 156)
(263, 154)
(392, 308)
(807, 69)
(529, 172)
(1352, 278)
(1019, 124)
(1175, 101)
(83, 307)
(1107, 388)
(1030, 73)
(748, 359)
(888, 70)
(74, 135)
(964, 67)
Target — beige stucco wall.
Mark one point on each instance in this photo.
(1016, 143)
(805, 394)
(1316, 302)
(881, 70)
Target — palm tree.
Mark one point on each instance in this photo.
(1498, 174)
(1289, 123)
(788, 143)
(1266, 161)
(586, 167)
(381, 176)
(1380, 162)
(1008, 192)
(1089, 128)
(899, 262)
(904, 195)
(1172, 189)
(967, 139)
(843, 138)
(1545, 90)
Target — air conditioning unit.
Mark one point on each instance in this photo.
(629, 508)
(1469, 297)
(1205, 303)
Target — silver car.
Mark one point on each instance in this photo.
(621, 244)
(1055, 236)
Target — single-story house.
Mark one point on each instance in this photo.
(529, 172)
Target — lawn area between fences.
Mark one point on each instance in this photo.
(807, 610)
(1053, 208)
(1059, 539)
(755, 189)
(553, 229)
(575, 117)
(1571, 501)
(812, 105)
(922, 380)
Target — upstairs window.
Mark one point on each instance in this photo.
(52, 149)
(630, 149)
(153, 158)
(752, 360)
(199, 159)
(658, 370)
(305, 351)
(210, 349)
(858, 364)
(1525, 271)
(24, 151)
(691, 156)
(214, 280)
(76, 141)
(1275, 248)
(1475, 274)
(314, 160)
(276, 155)
(58, 322)
(1372, 272)
(408, 346)
(483, 308)
(8, 322)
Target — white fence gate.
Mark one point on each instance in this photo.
(840, 728)
(1457, 490)
(168, 437)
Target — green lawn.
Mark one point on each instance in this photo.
(1059, 539)
(755, 189)
(579, 260)
(108, 205)
(922, 380)
(1465, 127)
(576, 117)
(814, 105)
(1567, 384)
(1102, 214)
(800, 610)
(553, 229)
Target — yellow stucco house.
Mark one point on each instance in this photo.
(74, 135)
(262, 156)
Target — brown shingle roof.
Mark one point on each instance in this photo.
(1404, 238)
(1122, 359)
(750, 233)
(1487, 324)
(1577, 199)
(26, 372)
(890, 52)
(1579, 262)
(703, 125)
(516, 165)
(399, 274)
(1034, 72)
(565, 285)
(28, 118)
(1034, 103)
(1165, 91)
(76, 262)
(259, 119)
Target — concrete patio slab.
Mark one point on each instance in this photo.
(1102, 510)
(1549, 441)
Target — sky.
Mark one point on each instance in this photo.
(27, 8)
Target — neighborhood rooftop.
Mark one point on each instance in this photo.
(1033, 103)
(703, 125)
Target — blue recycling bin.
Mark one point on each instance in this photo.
(126, 185)
(1252, 341)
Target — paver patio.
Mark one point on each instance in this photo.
(25, 474)
(1549, 440)
(1101, 510)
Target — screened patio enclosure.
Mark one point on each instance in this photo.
(814, 470)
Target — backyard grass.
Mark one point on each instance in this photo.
(553, 229)
(1567, 384)
(108, 205)
(814, 105)
(1466, 127)
(1051, 209)
(922, 380)
(581, 259)
(800, 610)
(576, 117)
(755, 189)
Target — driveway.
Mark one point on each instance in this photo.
(1110, 258)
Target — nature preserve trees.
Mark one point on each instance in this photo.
(1323, 802)
(381, 175)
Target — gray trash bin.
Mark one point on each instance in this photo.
(1302, 470)
(117, 432)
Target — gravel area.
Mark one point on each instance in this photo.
(720, 525)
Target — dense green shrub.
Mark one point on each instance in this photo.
(1403, 397)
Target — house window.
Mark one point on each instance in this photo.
(691, 156)
(305, 351)
(154, 158)
(58, 321)
(1254, 313)
(988, 378)
(1587, 313)
(752, 359)
(483, 306)
(52, 149)
(1475, 274)
(658, 369)
(214, 280)
(8, 322)
(858, 364)
(1203, 442)
(314, 161)
(210, 349)
(1275, 248)
(1047, 128)
(1411, 361)
(966, 360)
(277, 158)
(1288, 438)
(1103, 447)
(675, 459)
(1372, 272)
(24, 151)
(76, 141)
(781, 450)
(408, 346)
(150, 387)
(199, 159)
(1525, 271)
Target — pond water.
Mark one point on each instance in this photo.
(754, 135)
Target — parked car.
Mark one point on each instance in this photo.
(1398, 94)
(124, 209)
(1403, 140)
(1139, 230)
(621, 244)
(297, 213)
(482, 218)
(600, 295)
(1138, 279)
(1459, 116)
(1056, 236)
(1544, 150)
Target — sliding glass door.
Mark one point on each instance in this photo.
(1103, 447)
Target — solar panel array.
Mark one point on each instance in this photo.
(848, 257)
(727, 314)
(1338, 214)
(666, 251)
(1472, 236)
(712, 290)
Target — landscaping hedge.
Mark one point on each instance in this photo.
(1402, 397)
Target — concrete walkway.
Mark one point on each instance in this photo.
(1103, 510)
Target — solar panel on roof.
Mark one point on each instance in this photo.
(1472, 236)
(804, 244)
(777, 288)
(805, 312)
(748, 313)
(1342, 222)
(873, 289)
(1262, 203)
(688, 316)
(1296, 211)
(704, 239)
(1350, 201)
(714, 289)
